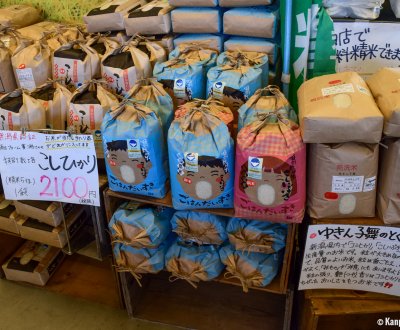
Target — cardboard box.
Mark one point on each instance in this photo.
(33, 263)
(55, 236)
(46, 212)
(8, 216)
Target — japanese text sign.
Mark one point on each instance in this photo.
(365, 47)
(51, 167)
(352, 257)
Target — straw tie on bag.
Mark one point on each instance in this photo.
(141, 238)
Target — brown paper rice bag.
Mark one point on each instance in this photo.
(338, 108)
(39, 30)
(19, 16)
(13, 40)
(385, 86)
(7, 79)
(388, 197)
(342, 180)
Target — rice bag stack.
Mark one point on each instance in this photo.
(32, 65)
(7, 78)
(152, 94)
(211, 41)
(19, 110)
(131, 62)
(196, 20)
(87, 107)
(261, 22)
(109, 16)
(191, 3)
(201, 159)
(264, 101)
(251, 269)
(199, 228)
(182, 80)
(193, 263)
(150, 19)
(19, 16)
(256, 236)
(134, 148)
(75, 63)
(244, 3)
(54, 98)
(364, 9)
(270, 170)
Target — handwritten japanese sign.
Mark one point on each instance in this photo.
(51, 167)
(365, 47)
(352, 257)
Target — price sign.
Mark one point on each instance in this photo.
(51, 167)
(352, 257)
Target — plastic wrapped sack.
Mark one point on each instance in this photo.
(87, 108)
(75, 63)
(196, 20)
(252, 59)
(129, 63)
(199, 228)
(256, 236)
(195, 54)
(259, 22)
(244, 3)
(32, 65)
(247, 44)
(54, 98)
(211, 41)
(270, 170)
(140, 228)
(193, 263)
(201, 155)
(251, 269)
(7, 78)
(152, 18)
(191, 3)
(181, 80)
(19, 110)
(264, 101)
(139, 261)
(19, 16)
(364, 9)
(136, 158)
(109, 16)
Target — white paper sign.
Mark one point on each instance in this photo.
(347, 184)
(363, 258)
(51, 167)
(365, 47)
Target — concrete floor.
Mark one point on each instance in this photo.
(23, 307)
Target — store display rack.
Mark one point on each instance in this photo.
(219, 302)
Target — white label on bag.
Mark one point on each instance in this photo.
(363, 90)
(192, 161)
(180, 88)
(25, 78)
(347, 184)
(338, 89)
(134, 149)
(255, 168)
(369, 184)
(218, 90)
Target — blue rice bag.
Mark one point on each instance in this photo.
(193, 263)
(248, 44)
(196, 20)
(183, 81)
(134, 149)
(152, 94)
(258, 22)
(256, 236)
(251, 269)
(267, 100)
(199, 227)
(195, 54)
(140, 227)
(212, 41)
(253, 59)
(233, 84)
(201, 156)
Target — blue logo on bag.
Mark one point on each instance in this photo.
(190, 157)
(133, 143)
(97, 133)
(179, 83)
(218, 85)
(255, 162)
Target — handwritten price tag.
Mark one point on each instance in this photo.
(51, 167)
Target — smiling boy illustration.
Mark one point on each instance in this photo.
(208, 182)
(276, 185)
(129, 167)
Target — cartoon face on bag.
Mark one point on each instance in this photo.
(128, 170)
(232, 98)
(169, 88)
(208, 182)
(277, 184)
